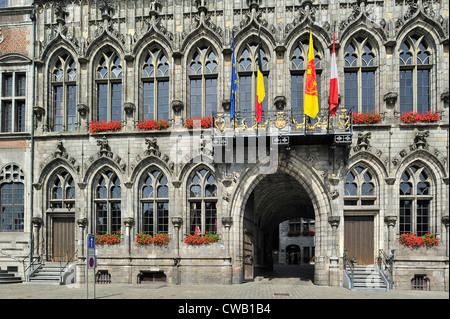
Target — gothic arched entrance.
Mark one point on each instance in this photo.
(262, 201)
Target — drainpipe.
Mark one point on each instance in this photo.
(33, 18)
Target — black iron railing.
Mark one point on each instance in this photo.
(282, 122)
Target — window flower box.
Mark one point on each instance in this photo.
(198, 122)
(412, 240)
(311, 232)
(103, 126)
(152, 125)
(108, 239)
(367, 118)
(159, 239)
(294, 233)
(415, 117)
(201, 239)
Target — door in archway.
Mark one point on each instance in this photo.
(63, 238)
(358, 238)
(248, 257)
(293, 254)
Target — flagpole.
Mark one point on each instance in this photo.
(259, 60)
(333, 75)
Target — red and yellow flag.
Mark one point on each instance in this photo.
(311, 101)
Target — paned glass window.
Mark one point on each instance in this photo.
(359, 76)
(415, 201)
(203, 71)
(247, 65)
(415, 69)
(109, 75)
(202, 198)
(155, 86)
(61, 191)
(64, 88)
(360, 187)
(12, 199)
(107, 203)
(154, 201)
(12, 102)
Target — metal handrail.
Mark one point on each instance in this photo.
(350, 263)
(33, 263)
(68, 260)
(388, 263)
(23, 260)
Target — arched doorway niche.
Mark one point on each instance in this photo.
(294, 187)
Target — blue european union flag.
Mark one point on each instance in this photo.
(234, 86)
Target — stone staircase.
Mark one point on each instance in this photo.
(48, 273)
(368, 278)
(7, 278)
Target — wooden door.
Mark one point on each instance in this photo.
(248, 257)
(358, 238)
(63, 238)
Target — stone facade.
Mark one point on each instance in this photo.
(250, 197)
(16, 56)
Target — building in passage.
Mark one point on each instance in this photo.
(116, 120)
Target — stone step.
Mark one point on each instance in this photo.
(49, 273)
(8, 278)
(367, 278)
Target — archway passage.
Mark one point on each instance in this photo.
(276, 198)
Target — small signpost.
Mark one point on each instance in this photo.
(90, 260)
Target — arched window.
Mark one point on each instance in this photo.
(203, 82)
(107, 202)
(12, 192)
(359, 187)
(154, 203)
(359, 74)
(247, 73)
(299, 64)
(415, 198)
(155, 86)
(415, 68)
(109, 87)
(202, 197)
(62, 191)
(64, 97)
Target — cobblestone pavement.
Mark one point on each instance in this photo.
(288, 282)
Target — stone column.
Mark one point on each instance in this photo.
(445, 220)
(128, 222)
(334, 222)
(130, 109)
(227, 221)
(82, 223)
(83, 117)
(39, 119)
(334, 275)
(177, 222)
(177, 107)
(390, 221)
(37, 222)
